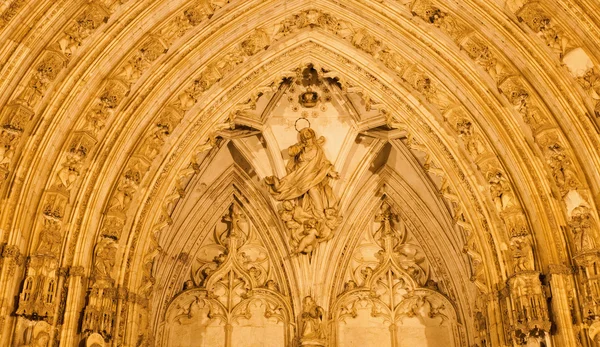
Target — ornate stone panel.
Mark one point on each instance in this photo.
(231, 298)
(391, 297)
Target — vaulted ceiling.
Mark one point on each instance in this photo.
(133, 126)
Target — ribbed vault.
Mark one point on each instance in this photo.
(477, 122)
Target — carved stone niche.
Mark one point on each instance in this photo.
(390, 298)
(230, 300)
(38, 297)
(529, 318)
(99, 314)
(587, 264)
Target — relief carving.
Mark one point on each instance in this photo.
(583, 228)
(233, 246)
(590, 81)
(85, 24)
(443, 20)
(309, 208)
(45, 72)
(150, 51)
(540, 22)
(395, 247)
(484, 56)
(313, 325)
(11, 11)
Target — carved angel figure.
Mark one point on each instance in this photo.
(310, 209)
(312, 320)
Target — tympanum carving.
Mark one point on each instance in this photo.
(310, 208)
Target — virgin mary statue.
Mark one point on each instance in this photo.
(310, 209)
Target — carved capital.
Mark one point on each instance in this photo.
(76, 271)
(559, 269)
(11, 251)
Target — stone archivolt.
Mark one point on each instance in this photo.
(100, 156)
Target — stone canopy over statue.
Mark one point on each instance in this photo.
(309, 208)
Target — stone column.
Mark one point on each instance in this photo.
(73, 306)
(588, 273)
(561, 285)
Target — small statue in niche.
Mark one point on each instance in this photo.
(312, 322)
(522, 253)
(310, 209)
(105, 254)
(582, 225)
(501, 191)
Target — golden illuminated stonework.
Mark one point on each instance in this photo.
(299, 173)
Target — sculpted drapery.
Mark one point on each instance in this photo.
(312, 322)
(309, 209)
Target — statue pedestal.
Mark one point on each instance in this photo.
(312, 342)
